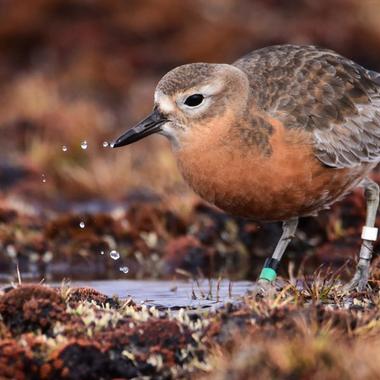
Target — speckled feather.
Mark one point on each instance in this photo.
(336, 100)
(185, 77)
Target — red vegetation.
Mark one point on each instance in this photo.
(78, 295)
(30, 307)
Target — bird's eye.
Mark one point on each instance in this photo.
(194, 100)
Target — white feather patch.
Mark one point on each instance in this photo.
(164, 102)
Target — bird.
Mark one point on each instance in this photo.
(280, 134)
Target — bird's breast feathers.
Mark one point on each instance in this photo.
(278, 179)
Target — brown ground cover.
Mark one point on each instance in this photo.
(313, 332)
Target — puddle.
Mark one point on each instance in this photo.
(172, 294)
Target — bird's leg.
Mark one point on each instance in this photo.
(369, 236)
(268, 273)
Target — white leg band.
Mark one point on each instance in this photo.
(369, 233)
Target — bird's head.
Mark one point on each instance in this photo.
(192, 97)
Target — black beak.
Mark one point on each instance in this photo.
(151, 124)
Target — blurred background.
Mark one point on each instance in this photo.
(84, 71)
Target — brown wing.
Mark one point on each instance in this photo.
(330, 96)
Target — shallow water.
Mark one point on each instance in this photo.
(172, 294)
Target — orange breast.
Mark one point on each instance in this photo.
(242, 181)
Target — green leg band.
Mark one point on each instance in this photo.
(268, 274)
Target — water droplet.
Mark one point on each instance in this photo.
(82, 225)
(11, 251)
(43, 178)
(102, 252)
(84, 144)
(64, 148)
(47, 257)
(106, 144)
(114, 255)
(124, 269)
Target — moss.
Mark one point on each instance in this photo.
(78, 295)
(31, 307)
(77, 360)
(75, 334)
(15, 361)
